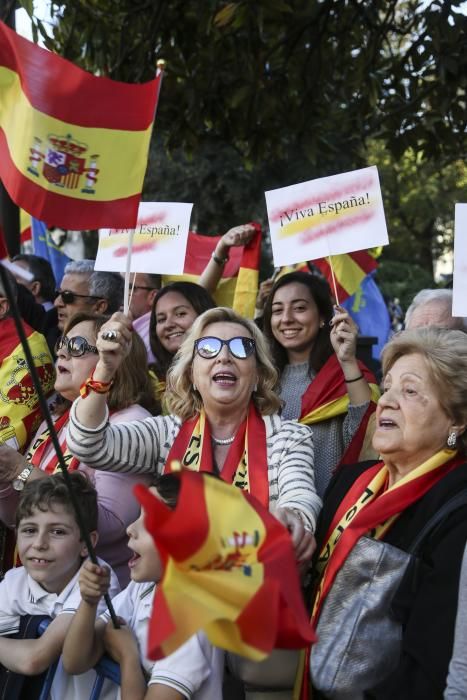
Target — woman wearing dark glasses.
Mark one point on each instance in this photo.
(130, 398)
(220, 391)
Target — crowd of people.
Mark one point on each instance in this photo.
(281, 407)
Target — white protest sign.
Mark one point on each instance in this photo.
(459, 288)
(331, 215)
(159, 241)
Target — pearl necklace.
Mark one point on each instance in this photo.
(223, 441)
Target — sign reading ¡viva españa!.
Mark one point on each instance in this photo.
(159, 241)
(331, 215)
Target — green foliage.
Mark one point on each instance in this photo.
(402, 280)
(419, 197)
(266, 75)
(259, 94)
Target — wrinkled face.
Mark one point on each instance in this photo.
(50, 547)
(79, 284)
(174, 317)
(142, 296)
(225, 381)
(433, 313)
(411, 424)
(73, 371)
(145, 564)
(295, 320)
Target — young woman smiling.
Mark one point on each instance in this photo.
(322, 382)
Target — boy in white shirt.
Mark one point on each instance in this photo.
(193, 671)
(51, 550)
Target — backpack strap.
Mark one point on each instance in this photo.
(457, 501)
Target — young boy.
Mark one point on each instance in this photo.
(51, 550)
(193, 671)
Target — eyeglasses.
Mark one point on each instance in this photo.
(210, 347)
(76, 347)
(149, 289)
(70, 297)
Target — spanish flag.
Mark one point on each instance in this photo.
(229, 569)
(19, 405)
(350, 269)
(73, 146)
(238, 286)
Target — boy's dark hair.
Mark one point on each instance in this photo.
(43, 494)
(168, 488)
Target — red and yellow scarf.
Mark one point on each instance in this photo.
(42, 443)
(326, 397)
(246, 464)
(369, 508)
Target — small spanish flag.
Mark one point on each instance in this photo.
(350, 269)
(229, 570)
(238, 286)
(73, 146)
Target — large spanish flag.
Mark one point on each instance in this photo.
(238, 286)
(229, 569)
(73, 146)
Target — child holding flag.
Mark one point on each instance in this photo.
(193, 671)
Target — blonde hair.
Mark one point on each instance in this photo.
(185, 402)
(445, 352)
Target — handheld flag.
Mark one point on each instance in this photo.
(368, 309)
(229, 570)
(73, 146)
(242, 269)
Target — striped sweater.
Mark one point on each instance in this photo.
(141, 447)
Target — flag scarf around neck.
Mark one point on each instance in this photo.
(238, 286)
(369, 508)
(41, 444)
(326, 397)
(246, 463)
(19, 405)
(229, 570)
(73, 146)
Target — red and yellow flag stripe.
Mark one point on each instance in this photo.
(73, 146)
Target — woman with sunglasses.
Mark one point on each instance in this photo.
(322, 383)
(130, 398)
(174, 310)
(220, 391)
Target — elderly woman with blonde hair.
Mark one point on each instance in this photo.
(223, 418)
(421, 437)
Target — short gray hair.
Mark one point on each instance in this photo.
(442, 298)
(105, 285)
(445, 352)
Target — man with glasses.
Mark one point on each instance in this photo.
(84, 289)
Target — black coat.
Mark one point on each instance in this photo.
(429, 610)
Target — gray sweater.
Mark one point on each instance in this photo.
(457, 677)
(330, 437)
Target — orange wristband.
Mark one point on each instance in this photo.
(95, 385)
